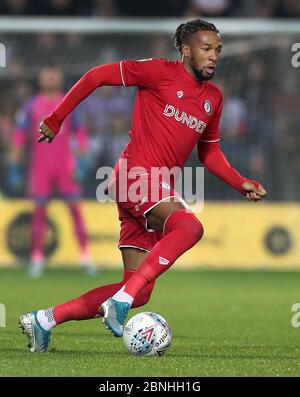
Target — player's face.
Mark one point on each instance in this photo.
(203, 53)
(50, 79)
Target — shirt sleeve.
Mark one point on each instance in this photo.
(142, 73)
(98, 76)
(216, 162)
(212, 131)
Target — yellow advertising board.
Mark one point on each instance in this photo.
(237, 235)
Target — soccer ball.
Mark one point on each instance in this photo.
(147, 334)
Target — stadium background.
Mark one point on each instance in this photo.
(233, 321)
(259, 124)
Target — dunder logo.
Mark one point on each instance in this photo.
(180, 116)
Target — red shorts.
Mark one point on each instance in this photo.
(135, 232)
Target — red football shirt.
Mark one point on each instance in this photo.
(172, 112)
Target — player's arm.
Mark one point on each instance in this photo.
(212, 157)
(144, 73)
(109, 74)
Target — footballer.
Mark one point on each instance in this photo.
(47, 171)
(177, 107)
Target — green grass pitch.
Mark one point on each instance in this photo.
(224, 324)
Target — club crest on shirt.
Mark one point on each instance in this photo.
(207, 106)
(180, 94)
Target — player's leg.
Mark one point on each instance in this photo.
(38, 228)
(38, 324)
(134, 244)
(81, 234)
(132, 259)
(39, 191)
(181, 231)
(70, 190)
(86, 306)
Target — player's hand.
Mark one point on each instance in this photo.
(46, 132)
(254, 191)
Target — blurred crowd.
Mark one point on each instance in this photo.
(166, 8)
(260, 117)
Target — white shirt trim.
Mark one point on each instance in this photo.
(122, 76)
(133, 246)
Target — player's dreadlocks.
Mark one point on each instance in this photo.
(186, 29)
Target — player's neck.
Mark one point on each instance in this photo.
(188, 68)
(195, 75)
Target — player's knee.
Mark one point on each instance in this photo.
(196, 227)
(189, 224)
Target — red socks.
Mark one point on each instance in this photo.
(86, 306)
(182, 231)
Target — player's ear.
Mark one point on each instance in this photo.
(185, 50)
